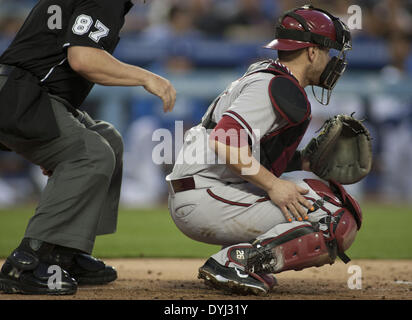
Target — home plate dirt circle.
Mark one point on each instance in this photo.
(175, 279)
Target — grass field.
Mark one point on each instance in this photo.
(385, 234)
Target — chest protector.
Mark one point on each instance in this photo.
(290, 102)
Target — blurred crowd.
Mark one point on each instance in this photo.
(165, 31)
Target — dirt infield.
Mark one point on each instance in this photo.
(175, 279)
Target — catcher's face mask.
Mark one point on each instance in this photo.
(337, 65)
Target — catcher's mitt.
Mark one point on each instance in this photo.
(342, 151)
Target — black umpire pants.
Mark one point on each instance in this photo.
(81, 198)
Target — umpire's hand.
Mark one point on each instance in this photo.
(162, 88)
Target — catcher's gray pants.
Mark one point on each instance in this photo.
(81, 198)
(228, 214)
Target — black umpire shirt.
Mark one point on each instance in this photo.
(40, 46)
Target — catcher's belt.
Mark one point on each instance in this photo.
(180, 185)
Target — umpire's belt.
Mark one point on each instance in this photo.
(5, 70)
(180, 185)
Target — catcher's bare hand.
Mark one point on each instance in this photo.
(289, 198)
(162, 88)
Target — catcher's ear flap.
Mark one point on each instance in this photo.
(289, 99)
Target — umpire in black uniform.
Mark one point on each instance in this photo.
(63, 48)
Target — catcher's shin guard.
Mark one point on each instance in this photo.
(297, 245)
(298, 248)
(294, 246)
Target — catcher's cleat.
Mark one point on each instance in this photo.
(232, 279)
(86, 269)
(22, 273)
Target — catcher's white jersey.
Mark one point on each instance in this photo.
(246, 101)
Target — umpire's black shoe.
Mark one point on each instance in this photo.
(232, 279)
(89, 270)
(23, 273)
(86, 269)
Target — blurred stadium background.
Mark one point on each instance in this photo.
(201, 46)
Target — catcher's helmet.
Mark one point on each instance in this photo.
(308, 27)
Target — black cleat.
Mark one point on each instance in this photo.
(232, 279)
(89, 270)
(22, 273)
(86, 269)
